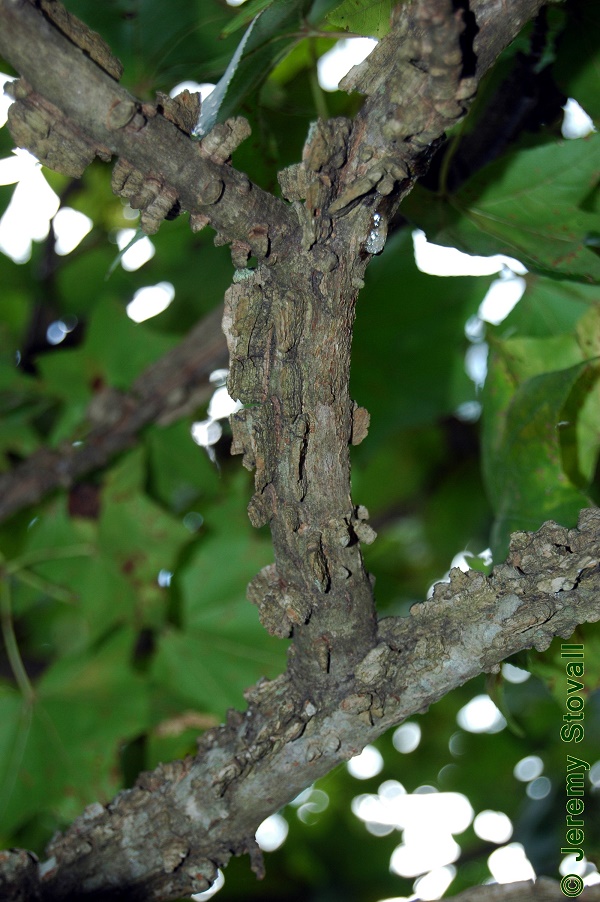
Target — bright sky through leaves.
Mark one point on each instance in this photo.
(338, 61)
(150, 301)
(366, 765)
(138, 254)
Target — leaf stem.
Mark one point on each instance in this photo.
(41, 555)
(11, 645)
(317, 91)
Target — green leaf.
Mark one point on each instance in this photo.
(548, 307)
(211, 106)
(180, 473)
(64, 752)
(71, 591)
(141, 538)
(271, 34)
(364, 17)
(67, 373)
(223, 641)
(15, 717)
(530, 205)
(526, 357)
(551, 667)
(580, 434)
(318, 10)
(115, 352)
(17, 435)
(409, 341)
(159, 45)
(121, 347)
(521, 358)
(20, 405)
(248, 13)
(210, 670)
(522, 457)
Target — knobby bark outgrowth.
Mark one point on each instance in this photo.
(288, 325)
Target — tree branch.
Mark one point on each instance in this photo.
(167, 835)
(70, 108)
(542, 890)
(169, 389)
(288, 325)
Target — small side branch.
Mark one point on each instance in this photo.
(169, 389)
(159, 164)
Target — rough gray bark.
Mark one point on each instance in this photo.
(543, 890)
(289, 325)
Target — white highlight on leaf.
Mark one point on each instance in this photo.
(406, 737)
(514, 674)
(70, 228)
(309, 804)
(585, 869)
(415, 812)
(576, 122)
(206, 432)
(502, 296)
(476, 362)
(338, 61)
(138, 254)
(480, 715)
(272, 833)
(510, 864)
(222, 404)
(59, 329)
(150, 301)
(5, 100)
(193, 521)
(528, 768)
(412, 859)
(468, 411)
(164, 578)
(434, 884)
(219, 377)
(539, 788)
(32, 206)
(493, 826)
(204, 88)
(368, 764)
(438, 260)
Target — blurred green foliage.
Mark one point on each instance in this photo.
(105, 668)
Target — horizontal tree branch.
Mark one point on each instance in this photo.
(170, 388)
(541, 890)
(71, 109)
